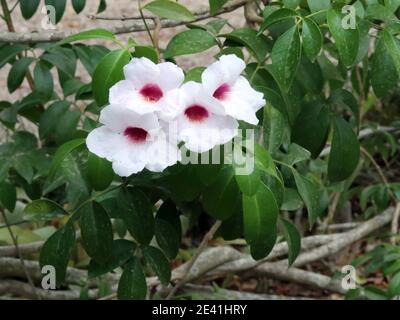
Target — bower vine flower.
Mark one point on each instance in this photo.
(201, 121)
(148, 87)
(132, 141)
(222, 80)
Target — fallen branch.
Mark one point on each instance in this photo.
(137, 26)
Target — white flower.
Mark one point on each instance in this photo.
(132, 141)
(147, 86)
(223, 81)
(202, 122)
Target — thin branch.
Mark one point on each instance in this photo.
(395, 224)
(209, 235)
(137, 26)
(15, 242)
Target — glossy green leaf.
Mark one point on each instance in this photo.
(58, 9)
(157, 261)
(312, 38)
(189, 42)
(311, 127)
(293, 239)
(9, 51)
(88, 35)
(278, 16)
(221, 198)
(132, 284)
(345, 152)
(146, 51)
(309, 192)
(96, 231)
(286, 55)
(169, 10)
(169, 213)
(393, 47)
(17, 73)
(28, 8)
(57, 251)
(274, 126)
(167, 237)
(297, 154)
(108, 72)
(62, 152)
(78, 5)
(346, 40)
(247, 174)
(43, 210)
(136, 211)
(260, 214)
(43, 81)
(194, 74)
(100, 172)
(122, 250)
(257, 45)
(384, 75)
(216, 5)
(8, 196)
(394, 285)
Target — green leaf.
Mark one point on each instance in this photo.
(260, 214)
(297, 154)
(291, 3)
(102, 6)
(392, 45)
(168, 238)
(286, 55)
(293, 239)
(169, 213)
(384, 76)
(344, 98)
(274, 125)
(122, 250)
(345, 151)
(57, 251)
(78, 5)
(216, 5)
(309, 192)
(257, 45)
(394, 285)
(311, 127)
(108, 72)
(97, 233)
(319, 5)
(61, 61)
(8, 196)
(221, 198)
(277, 16)
(88, 35)
(169, 10)
(232, 228)
(17, 73)
(9, 51)
(194, 74)
(47, 125)
(100, 172)
(312, 39)
(247, 175)
(59, 7)
(146, 51)
(157, 261)
(132, 284)
(263, 161)
(28, 8)
(43, 81)
(43, 210)
(346, 40)
(189, 42)
(62, 152)
(22, 165)
(136, 211)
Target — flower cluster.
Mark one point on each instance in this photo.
(151, 112)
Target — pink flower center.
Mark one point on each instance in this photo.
(135, 134)
(151, 92)
(196, 113)
(222, 91)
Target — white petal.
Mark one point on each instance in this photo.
(105, 143)
(141, 71)
(224, 71)
(203, 136)
(124, 93)
(118, 118)
(171, 76)
(193, 93)
(161, 154)
(171, 105)
(243, 89)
